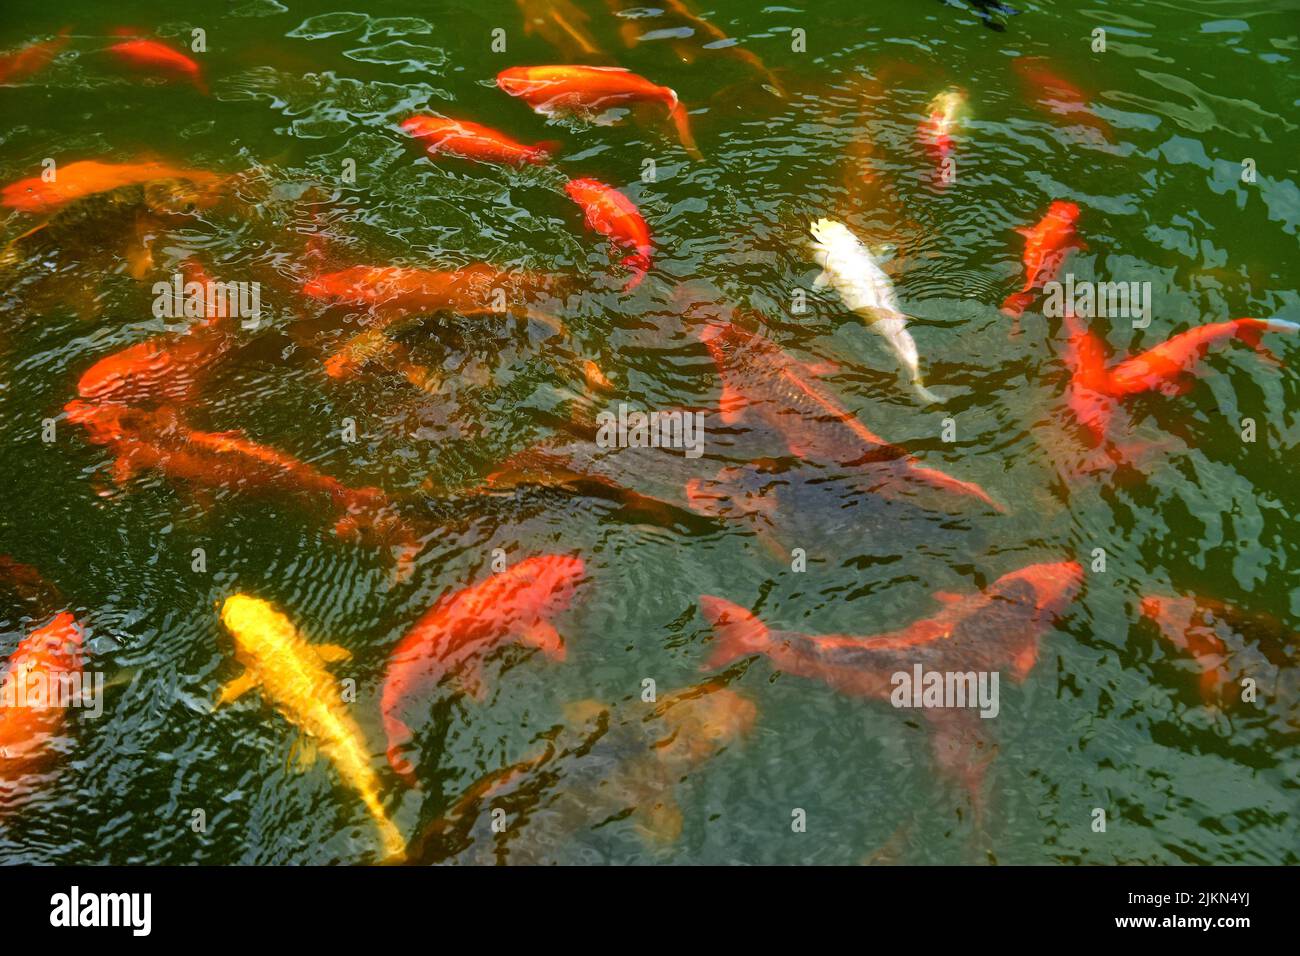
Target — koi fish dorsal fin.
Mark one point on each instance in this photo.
(331, 653)
(236, 688)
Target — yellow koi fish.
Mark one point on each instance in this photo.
(293, 678)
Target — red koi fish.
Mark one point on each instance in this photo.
(166, 368)
(22, 63)
(552, 89)
(1046, 246)
(472, 141)
(1094, 389)
(612, 214)
(996, 629)
(157, 440)
(469, 291)
(29, 718)
(87, 177)
(1228, 647)
(458, 632)
(150, 56)
(1059, 95)
(761, 380)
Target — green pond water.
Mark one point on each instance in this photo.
(1110, 716)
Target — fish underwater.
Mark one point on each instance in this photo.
(22, 63)
(936, 132)
(86, 177)
(166, 368)
(1046, 246)
(865, 289)
(1243, 661)
(612, 214)
(562, 24)
(291, 675)
(592, 89)
(159, 440)
(151, 56)
(467, 140)
(454, 636)
(606, 764)
(392, 291)
(760, 381)
(1095, 391)
(989, 631)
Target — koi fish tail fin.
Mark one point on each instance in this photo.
(924, 393)
(399, 739)
(639, 263)
(1251, 331)
(544, 151)
(737, 631)
(677, 112)
(1015, 304)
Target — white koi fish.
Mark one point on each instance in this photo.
(866, 290)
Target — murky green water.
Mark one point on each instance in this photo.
(1109, 718)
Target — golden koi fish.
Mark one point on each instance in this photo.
(293, 678)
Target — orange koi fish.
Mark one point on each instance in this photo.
(473, 141)
(157, 440)
(459, 631)
(164, 368)
(1046, 246)
(612, 214)
(469, 291)
(988, 632)
(1094, 390)
(22, 63)
(29, 717)
(551, 89)
(153, 57)
(761, 380)
(87, 177)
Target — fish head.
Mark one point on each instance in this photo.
(110, 374)
(256, 626)
(830, 233)
(29, 195)
(1054, 585)
(1067, 212)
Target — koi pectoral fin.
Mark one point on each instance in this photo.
(236, 688)
(543, 636)
(332, 653)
